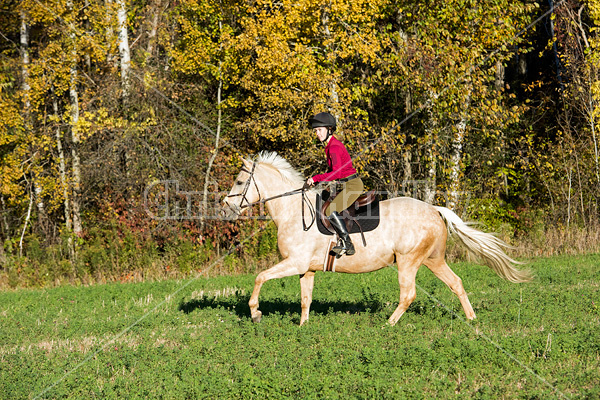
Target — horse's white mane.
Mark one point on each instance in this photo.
(274, 160)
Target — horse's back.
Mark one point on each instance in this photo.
(409, 214)
(407, 205)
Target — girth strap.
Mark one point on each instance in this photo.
(347, 215)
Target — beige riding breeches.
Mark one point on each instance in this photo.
(351, 190)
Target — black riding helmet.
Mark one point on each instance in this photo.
(323, 119)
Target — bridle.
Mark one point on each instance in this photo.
(241, 206)
(238, 208)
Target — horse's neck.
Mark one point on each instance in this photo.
(285, 208)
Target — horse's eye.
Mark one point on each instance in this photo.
(239, 182)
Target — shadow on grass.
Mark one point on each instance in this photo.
(239, 305)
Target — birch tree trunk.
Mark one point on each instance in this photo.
(24, 39)
(431, 173)
(592, 112)
(124, 52)
(153, 30)
(333, 84)
(27, 218)
(500, 75)
(456, 154)
(124, 49)
(2, 256)
(5, 226)
(110, 35)
(455, 161)
(217, 136)
(76, 162)
(408, 176)
(88, 59)
(431, 132)
(25, 62)
(62, 169)
(214, 153)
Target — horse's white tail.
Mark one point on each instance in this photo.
(485, 246)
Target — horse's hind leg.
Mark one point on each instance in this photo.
(407, 272)
(441, 269)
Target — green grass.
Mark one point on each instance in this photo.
(195, 338)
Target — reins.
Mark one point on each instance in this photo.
(302, 190)
(290, 193)
(311, 208)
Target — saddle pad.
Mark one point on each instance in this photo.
(367, 216)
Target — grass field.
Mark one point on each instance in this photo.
(195, 338)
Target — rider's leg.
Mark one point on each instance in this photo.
(351, 190)
(346, 246)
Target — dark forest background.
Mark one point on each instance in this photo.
(488, 108)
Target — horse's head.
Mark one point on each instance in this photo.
(243, 193)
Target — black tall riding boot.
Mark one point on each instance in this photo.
(346, 246)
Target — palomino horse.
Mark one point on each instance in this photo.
(411, 232)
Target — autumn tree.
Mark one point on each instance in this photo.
(575, 154)
(301, 58)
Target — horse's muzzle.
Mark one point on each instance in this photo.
(230, 212)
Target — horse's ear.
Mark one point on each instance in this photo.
(247, 164)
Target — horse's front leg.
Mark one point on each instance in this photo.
(285, 268)
(307, 283)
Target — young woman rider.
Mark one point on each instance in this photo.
(340, 170)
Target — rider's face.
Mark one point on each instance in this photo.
(321, 133)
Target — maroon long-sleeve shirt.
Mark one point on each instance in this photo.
(338, 161)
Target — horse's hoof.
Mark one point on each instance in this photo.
(256, 317)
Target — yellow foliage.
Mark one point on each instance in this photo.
(12, 136)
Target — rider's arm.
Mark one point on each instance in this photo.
(340, 164)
